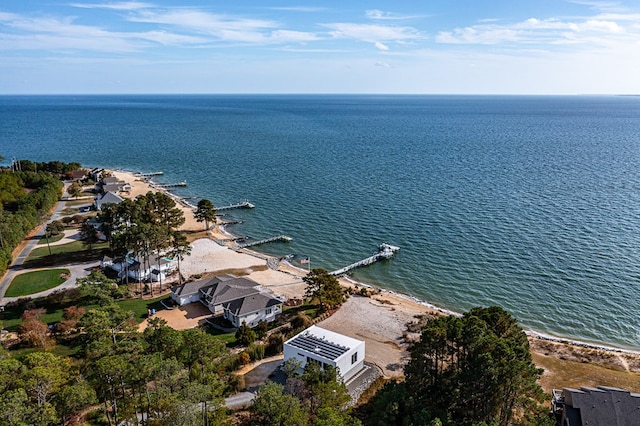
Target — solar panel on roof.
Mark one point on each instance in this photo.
(318, 345)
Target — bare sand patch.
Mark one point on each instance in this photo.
(140, 186)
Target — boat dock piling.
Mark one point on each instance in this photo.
(385, 251)
(241, 205)
(268, 240)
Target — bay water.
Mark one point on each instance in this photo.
(529, 203)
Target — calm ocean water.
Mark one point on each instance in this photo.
(530, 203)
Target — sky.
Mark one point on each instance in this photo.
(534, 47)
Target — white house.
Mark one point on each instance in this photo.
(326, 347)
(238, 299)
(159, 268)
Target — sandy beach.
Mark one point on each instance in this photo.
(381, 319)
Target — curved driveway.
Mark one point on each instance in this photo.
(17, 268)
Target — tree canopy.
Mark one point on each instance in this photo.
(324, 287)
(469, 370)
(205, 212)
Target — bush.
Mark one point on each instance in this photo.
(256, 351)
(275, 344)
(301, 321)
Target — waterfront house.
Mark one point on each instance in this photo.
(326, 347)
(137, 268)
(107, 197)
(237, 299)
(596, 406)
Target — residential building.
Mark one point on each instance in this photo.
(107, 197)
(596, 406)
(156, 269)
(326, 347)
(237, 299)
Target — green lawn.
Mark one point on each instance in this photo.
(140, 306)
(52, 239)
(64, 253)
(35, 282)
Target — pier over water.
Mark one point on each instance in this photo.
(241, 205)
(385, 251)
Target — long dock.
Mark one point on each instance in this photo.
(267, 240)
(385, 251)
(241, 205)
(170, 185)
(149, 174)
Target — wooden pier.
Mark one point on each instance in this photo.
(170, 185)
(267, 240)
(149, 174)
(241, 205)
(385, 251)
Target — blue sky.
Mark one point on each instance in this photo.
(422, 47)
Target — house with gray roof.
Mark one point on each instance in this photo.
(326, 347)
(238, 299)
(107, 197)
(596, 406)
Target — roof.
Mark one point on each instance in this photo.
(252, 303)
(189, 288)
(601, 406)
(325, 343)
(108, 197)
(195, 286)
(226, 290)
(112, 187)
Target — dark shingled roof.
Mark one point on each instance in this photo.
(601, 406)
(252, 303)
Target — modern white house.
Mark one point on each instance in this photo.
(238, 299)
(326, 347)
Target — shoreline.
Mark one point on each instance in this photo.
(346, 280)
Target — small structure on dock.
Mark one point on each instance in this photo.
(267, 240)
(241, 205)
(385, 251)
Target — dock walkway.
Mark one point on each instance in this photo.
(267, 240)
(385, 251)
(241, 205)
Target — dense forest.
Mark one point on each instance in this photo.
(27, 193)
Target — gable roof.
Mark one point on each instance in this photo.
(252, 303)
(108, 197)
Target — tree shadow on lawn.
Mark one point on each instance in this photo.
(65, 258)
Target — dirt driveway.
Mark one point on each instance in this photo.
(183, 317)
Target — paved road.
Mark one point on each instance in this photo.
(17, 268)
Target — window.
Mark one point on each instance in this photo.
(268, 311)
(354, 358)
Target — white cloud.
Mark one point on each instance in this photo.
(372, 33)
(381, 46)
(552, 31)
(382, 65)
(129, 5)
(387, 16)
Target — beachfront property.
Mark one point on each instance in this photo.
(107, 197)
(237, 299)
(326, 347)
(596, 406)
(158, 269)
